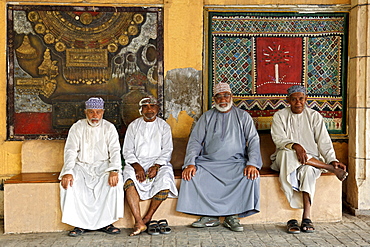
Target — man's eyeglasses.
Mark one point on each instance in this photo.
(225, 95)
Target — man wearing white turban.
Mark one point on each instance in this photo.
(148, 173)
(221, 168)
(91, 191)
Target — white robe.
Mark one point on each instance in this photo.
(89, 154)
(307, 129)
(149, 143)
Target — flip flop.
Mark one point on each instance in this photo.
(153, 228)
(307, 226)
(293, 227)
(163, 227)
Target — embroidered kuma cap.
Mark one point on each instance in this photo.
(150, 100)
(94, 103)
(296, 89)
(221, 87)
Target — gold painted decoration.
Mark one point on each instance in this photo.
(33, 16)
(133, 30)
(112, 48)
(85, 39)
(49, 38)
(26, 51)
(103, 26)
(86, 18)
(60, 47)
(61, 55)
(48, 67)
(87, 58)
(123, 40)
(138, 18)
(40, 28)
(42, 86)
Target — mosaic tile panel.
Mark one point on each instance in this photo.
(233, 63)
(324, 65)
(262, 54)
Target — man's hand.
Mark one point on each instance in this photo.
(139, 171)
(338, 165)
(251, 172)
(189, 172)
(301, 153)
(113, 179)
(152, 171)
(67, 179)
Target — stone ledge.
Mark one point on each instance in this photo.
(35, 207)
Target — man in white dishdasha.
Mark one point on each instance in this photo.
(91, 192)
(303, 149)
(148, 173)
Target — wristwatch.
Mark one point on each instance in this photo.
(116, 171)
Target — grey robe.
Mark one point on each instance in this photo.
(220, 146)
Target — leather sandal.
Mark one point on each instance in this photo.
(153, 228)
(293, 227)
(77, 231)
(307, 226)
(163, 227)
(110, 229)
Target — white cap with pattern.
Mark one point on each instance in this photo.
(94, 103)
(221, 87)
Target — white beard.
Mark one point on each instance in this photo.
(93, 124)
(149, 118)
(224, 108)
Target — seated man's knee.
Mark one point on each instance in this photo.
(161, 195)
(129, 183)
(286, 154)
(308, 170)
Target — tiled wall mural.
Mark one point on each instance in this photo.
(262, 54)
(59, 56)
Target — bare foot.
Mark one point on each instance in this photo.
(138, 229)
(340, 173)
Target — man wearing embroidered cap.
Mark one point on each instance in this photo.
(148, 174)
(91, 191)
(303, 150)
(221, 168)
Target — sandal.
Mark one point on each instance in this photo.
(293, 227)
(163, 227)
(76, 232)
(153, 227)
(307, 226)
(110, 229)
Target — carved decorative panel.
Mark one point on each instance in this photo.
(59, 56)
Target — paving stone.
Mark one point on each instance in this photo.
(351, 231)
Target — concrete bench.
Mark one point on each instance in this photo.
(32, 204)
